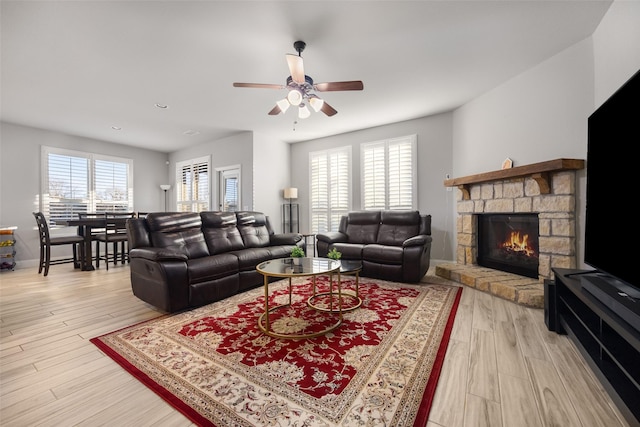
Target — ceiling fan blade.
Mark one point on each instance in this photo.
(335, 86)
(296, 68)
(275, 111)
(328, 109)
(259, 85)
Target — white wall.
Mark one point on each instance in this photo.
(542, 113)
(271, 167)
(434, 162)
(230, 151)
(536, 116)
(20, 182)
(616, 45)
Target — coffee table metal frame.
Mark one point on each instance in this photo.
(346, 268)
(285, 267)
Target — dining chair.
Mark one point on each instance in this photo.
(95, 231)
(47, 242)
(115, 232)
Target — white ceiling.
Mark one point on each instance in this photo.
(81, 67)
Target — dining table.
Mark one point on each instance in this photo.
(85, 226)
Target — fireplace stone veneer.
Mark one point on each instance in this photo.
(548, 189)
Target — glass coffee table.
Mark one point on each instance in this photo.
(299, 267)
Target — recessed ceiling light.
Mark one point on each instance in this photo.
(191, 132)
(116, 128)
(163, 106)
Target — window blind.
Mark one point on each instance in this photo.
(329, 188)
(76, 182)
(193, 185)
(389, 174)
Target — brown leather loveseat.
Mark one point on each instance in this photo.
(392, 245)
(181, 260)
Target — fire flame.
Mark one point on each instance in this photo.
(517, 243)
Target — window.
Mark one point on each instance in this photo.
(193, 185)
(75, 182)
(330, 185)
(389, 174)
(228, 188)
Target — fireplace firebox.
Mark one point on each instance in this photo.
(509, 242)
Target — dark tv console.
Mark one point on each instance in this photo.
(609, 343)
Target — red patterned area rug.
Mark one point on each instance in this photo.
(379, 367)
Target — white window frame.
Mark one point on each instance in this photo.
(193, 202)
(388, 176)
(87, 202)
(222, 174)
(335, 205)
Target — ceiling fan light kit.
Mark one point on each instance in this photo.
(283, 104)
(301, 88)
(294, 97)
(303, 112)
(316, 103)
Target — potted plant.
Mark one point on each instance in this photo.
(334, 254)
(296, 254)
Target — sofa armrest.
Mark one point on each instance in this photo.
(332, 237)
(419, 240)
(157, 254)
(285, 239)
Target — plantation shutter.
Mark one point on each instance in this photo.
(75, 182)
(329, 188)
(111, 186)
(374, 173)
(389, 174)
(66, 188)
(193, 185)
(400, 175)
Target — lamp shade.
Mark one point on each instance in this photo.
(303, 112)
(316, 103)
(283, 104)
(291, 193)
(165, 187)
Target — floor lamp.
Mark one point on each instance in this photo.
(290, 193)
(165, 187)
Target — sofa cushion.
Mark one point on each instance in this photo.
(253, 229)
(177, 231)
(349, 250)
(282, 251)
(189, 242)
(249, 258)
(220, 232)
(398, 226)
(212, 267)
(172, 221)
(383, 254)
(362, 226)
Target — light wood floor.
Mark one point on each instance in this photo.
(503, 368)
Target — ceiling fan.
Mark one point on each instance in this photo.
(301, 88)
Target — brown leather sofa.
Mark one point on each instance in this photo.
(392, 245)
(181, 260)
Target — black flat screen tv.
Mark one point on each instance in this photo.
(612, 221)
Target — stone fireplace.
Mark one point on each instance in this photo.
(546, 190)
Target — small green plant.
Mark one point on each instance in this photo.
(334, 254)
(297, 252)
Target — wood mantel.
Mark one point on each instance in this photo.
(537, 171)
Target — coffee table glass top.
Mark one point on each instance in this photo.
(287, 267)
(350, 266)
